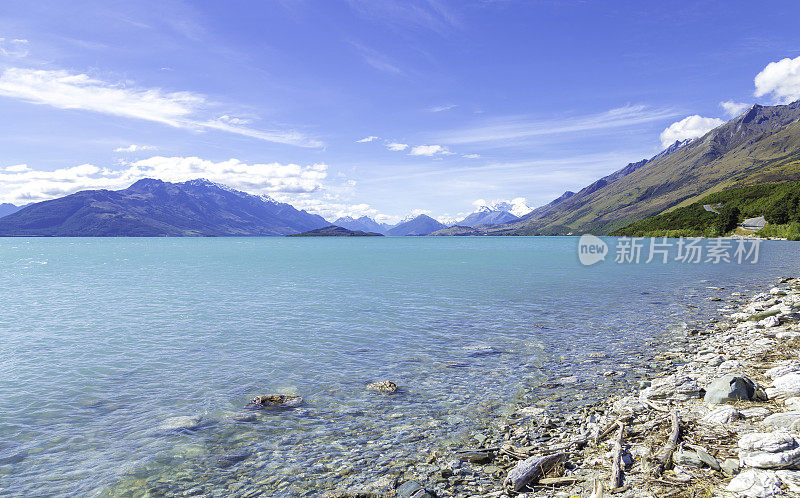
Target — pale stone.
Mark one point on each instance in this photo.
(756, 484)
(722, 415)
(784, 420)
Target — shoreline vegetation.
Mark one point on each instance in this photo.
(721, 213)
(720, 417)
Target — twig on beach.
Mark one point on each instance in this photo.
(665, 456)
(610, 428)
(616, 459)
(654, 406)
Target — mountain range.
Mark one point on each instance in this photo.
(421, 225)
(760, 146)
(6, 209)
(157, 208)
(486, 216)
(364, 224)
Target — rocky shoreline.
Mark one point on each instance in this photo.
(721, 417)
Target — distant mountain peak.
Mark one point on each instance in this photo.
(153, 207)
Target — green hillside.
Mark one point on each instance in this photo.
(760, 146)
(779, 203)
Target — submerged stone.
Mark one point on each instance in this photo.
(275, 401)
(386, 386)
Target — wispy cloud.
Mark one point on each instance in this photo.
(470, 156)
(65, 90)
(429, 150)
(514, 128)
(370, 138)
(432, 15)
(395, 146)
(442, 108)
(135, 148)
(377, 59)
(13, 48)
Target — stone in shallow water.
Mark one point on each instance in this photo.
(755, 483)
(181, 423)
(276, 401)
(412, 489)
(730, 387)
(386, 386)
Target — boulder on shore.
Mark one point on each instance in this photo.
(730, 387)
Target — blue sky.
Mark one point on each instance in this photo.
(377, 107)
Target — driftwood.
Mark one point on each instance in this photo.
(665, 455)
(559, 481)
(610, 428)
(616, 459)
(523, 452)
(529, 471)
(597, 488)
(654, 406)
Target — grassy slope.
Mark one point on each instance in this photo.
(681, 178)
(693, 219)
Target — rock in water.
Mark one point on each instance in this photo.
(276, 401)
(188, 423)
(386, 386)
(730, 388)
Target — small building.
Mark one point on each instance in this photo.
(754, 224)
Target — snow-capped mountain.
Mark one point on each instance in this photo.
(364, 223)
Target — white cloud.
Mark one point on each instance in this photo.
(135, 148)
(24, 185)
(332, 210)
(14, 48)
(690, 127)
(781, 79)
(734, 109)
(441, 108)
(517, 206)
(429, 150)
(17, 168)
(396, 146)
(65, 90)
(471, 156)
(514, 128)
(364, 140)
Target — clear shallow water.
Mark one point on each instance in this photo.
(103, 340)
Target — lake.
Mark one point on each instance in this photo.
(125, 364)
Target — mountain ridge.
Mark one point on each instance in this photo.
(151, 207)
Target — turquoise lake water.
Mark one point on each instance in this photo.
(104, 341)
